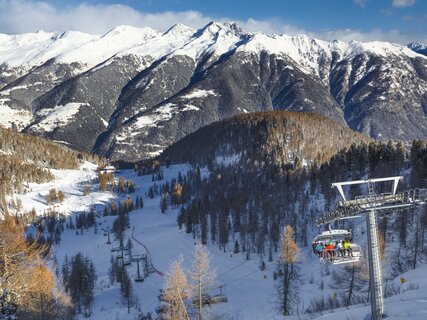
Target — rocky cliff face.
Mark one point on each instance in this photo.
(132, 92)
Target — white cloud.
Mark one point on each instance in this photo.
(14, 17)
(98, 19)
(366, 36)
(360, 3)
(403, 3)
(276, 26)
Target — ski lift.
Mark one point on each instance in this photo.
(333, 247)
(138, 277)
(221, 297)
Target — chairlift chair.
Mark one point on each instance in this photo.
(219, 298)
(336, 257)
(356, 256)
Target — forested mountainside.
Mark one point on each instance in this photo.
(264, 173)
(25, 158)
(29, 288)
(281, 138)
(245, 207)
(132, 92)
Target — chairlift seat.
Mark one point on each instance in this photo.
(139, 279)
(356, 252)
(219, 298)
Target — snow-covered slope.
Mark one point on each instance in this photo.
(71, 183)
(250, 292)
(408, 304)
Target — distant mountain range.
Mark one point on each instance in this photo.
(418, 47)
(131, 92)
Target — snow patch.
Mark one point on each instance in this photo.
(8, 91)
(8, 116)
(58, 116)
(199, 93)
(190, 107)
(163, 113)
(227, 160)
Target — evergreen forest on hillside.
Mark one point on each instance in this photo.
(243, 208)
(273, 137)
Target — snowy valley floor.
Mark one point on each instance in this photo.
(250, 292)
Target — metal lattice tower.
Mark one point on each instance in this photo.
(375, 274)
(370, 205)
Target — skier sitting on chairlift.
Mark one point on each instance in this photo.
(347, 248)
(338, 249)
(319, 249)
(330, 250)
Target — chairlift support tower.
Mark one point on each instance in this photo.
(370, 205)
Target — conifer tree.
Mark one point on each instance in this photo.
(176, 290)
(202, 279)
(126, 290)
(287, 286)
(351, 282)
(81, 283)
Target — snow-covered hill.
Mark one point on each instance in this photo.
(71, 183)
(133, 91)
(250, 292)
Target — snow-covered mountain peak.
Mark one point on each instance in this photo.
(418, 47)
(130, 31)
(215, 38)
(379, 48)
(34, 49)
(215, 27)
(108, 45)
(180, 29)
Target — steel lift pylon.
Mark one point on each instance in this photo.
(370, 205)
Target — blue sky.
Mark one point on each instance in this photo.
(364, 20)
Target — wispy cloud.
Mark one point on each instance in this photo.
(98, 19)
(86, 17)
(394, 36)
(403, 3)
(360, 3)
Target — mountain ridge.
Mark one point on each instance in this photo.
(132, 99)
(418, 48)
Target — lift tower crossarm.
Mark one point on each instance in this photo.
(383, 202)
(339, 185)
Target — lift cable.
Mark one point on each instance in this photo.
(246, 275)
(233, 268)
